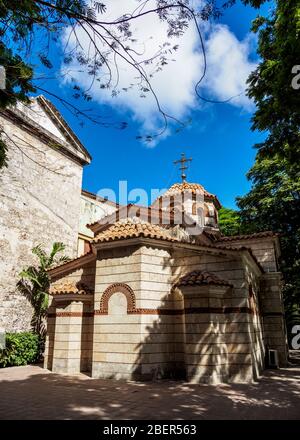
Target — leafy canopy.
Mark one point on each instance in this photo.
(274, 199)
(38, 24)
(229, 222)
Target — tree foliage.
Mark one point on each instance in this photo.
(270, 85)
(40, 23)
(21, 349)
(274, 199)
(110, 42)
(18, 78)
(229, 222)
(35, 282)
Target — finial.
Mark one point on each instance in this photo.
(183, 161)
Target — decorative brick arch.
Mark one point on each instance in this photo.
(117, 288)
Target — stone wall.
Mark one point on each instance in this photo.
(39, 203)
(69, 341)
(92, 209)
(154, 342)
(141, 327)
(161, 353)
(225, 345)
(263, 249)
(117, 334)
(270, 295)
(273, 313)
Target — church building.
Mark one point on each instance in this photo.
(160, 293)
(150, 292)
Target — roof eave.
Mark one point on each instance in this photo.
(39, 132)
(72, 265)
(133, 241)
(57, 116)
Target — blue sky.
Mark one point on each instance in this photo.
(219, 139)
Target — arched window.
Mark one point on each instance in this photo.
(119, 288)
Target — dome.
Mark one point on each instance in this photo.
(194, 188)
(184, 186)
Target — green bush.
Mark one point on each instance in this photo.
(21, 349)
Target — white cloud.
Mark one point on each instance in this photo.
(228, 68)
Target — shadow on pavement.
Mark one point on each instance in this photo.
(33, 393)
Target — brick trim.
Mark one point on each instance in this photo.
(133, 310)
(219, 310)
(139, 311)
(117, 288)
(71, 315)
(161, 312)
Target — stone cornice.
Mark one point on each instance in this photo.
(93, 196)
(52, 141)
(57, 118)
(72, 265)
(74, 297)
(208, 249)
(161, 312)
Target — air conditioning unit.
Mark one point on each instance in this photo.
(273, 359)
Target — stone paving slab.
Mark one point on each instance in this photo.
(34, 393)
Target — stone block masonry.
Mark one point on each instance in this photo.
(167, 305)
(39, 204)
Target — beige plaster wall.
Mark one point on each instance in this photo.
(273, 313)
(149, 342)
(221, 346)
(264, 251)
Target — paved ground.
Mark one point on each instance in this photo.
(33, 393)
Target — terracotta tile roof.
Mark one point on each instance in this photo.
(189, 187)
(131, 229)
(184, 186)
(247, 236)
(70, 288)
(199, 277)
(146, 213)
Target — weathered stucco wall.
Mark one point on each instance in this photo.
(92, 209)
(39, 203)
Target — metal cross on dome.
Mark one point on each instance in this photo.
(183, 162)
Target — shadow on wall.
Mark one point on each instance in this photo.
(192, 347)
(87, 332)
(51, 322)
(58, 332)
(161, 354)
(189, 339)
